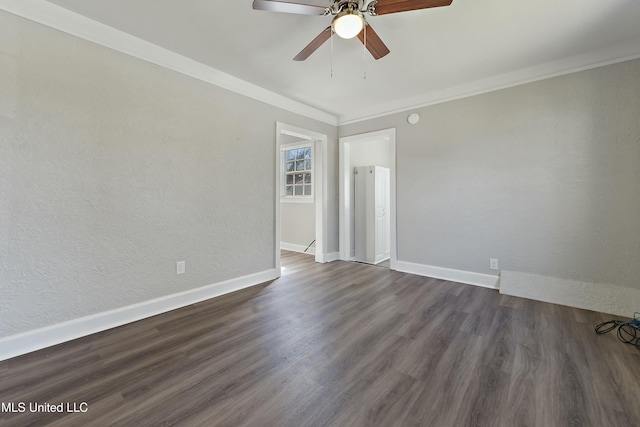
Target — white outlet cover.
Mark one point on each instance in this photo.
(493, 264)
(180, 267)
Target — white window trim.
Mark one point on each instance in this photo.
(297, 199)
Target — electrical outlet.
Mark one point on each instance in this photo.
(180, 267)
(493, 264)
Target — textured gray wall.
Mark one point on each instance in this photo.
(113, 169)
(544, 176)
(298, 222)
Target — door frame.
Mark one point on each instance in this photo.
(346, 186)
(319, 187)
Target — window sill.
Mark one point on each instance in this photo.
(296, 199)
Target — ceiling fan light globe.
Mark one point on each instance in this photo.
(347, 25)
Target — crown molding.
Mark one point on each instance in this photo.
(64, 20)
(608, 55)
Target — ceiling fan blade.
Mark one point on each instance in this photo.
(384, 7)
(374, 43)
(285, 7)
(314, 45)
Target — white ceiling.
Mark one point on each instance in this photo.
(470, 46)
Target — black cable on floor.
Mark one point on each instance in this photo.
(628, 332)
(314, 240)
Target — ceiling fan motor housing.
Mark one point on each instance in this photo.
(339, 6)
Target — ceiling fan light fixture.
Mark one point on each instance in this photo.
(348, 23)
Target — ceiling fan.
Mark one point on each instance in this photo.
(348, 19)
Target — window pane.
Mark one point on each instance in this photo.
(297, 176)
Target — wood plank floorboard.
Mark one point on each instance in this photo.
(339, 344)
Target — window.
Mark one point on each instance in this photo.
(297, 179)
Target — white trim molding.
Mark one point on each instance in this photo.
(332, 256)
(26, 342)
(602, 297)
(69, 22)
(59, 18)
(297, 248)
(452, 275)
(607, 55)
(320, 185)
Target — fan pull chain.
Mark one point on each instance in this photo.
(331, 37)
(364, 54)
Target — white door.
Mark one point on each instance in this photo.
(372, 220)
(363, 214)
(382, 217)
(380, 213)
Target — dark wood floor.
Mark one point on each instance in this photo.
(340, 344)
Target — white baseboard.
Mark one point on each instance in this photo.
(332, 256)
(602, 297)
(297, 248)
(460, 276)
(26, 342)
(324, 258)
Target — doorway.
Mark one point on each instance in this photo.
(368, 149)
(285, 133)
